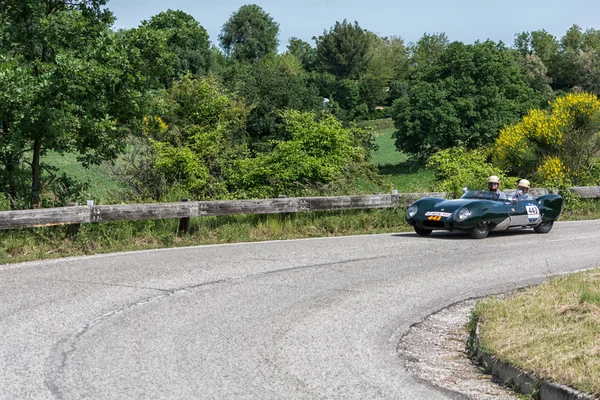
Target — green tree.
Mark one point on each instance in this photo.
(271, 84)
(80, 86)
(573, 63)
(539, 43)
(390, 60)
(303, 51)
(186, 39)
(249, 34)
(344, 51)
(463, 99)
(428, 49)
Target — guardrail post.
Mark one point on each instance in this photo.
(184, 223)
(73, 228)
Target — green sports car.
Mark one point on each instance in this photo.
(480, 211)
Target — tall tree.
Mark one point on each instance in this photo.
(79, 85)
(271, 84)
(186, 39)
(344, 51)
(249, 34)
(464, 98)
(539, 43)
(390, 59)
(428, 49)
(303, 51)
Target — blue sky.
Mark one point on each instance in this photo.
(461, 20)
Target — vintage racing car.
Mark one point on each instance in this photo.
(480, 211)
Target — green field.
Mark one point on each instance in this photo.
(406, 176)
(104, 187)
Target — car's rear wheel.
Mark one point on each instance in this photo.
(544, 227)
(422, 231)
(480, 231)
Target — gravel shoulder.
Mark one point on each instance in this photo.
(435, 352)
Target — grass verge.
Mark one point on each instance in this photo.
(54, 242)
(551, 330)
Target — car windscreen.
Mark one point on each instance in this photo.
(480, 195)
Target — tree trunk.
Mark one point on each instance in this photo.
(10, 164)
(36, 186)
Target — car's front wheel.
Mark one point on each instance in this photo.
(480, 231)
(544, 227)
(422, 231)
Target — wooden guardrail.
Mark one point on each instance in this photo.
(187, 209)
(184, 210)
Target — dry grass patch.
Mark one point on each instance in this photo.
(551, 330)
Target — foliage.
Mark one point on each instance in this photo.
(195, 138)
(249, 34)
(344, 51)
(555, 147)
(462, 99)
(318, 153)
(390, 59)
(428, 49)
(371, 91)
(536, 75)
(458, 167)
(185, 38)
(80, 86)
(271, 84)
(572, 63)
(303, 52)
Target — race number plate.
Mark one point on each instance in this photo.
(437, 214)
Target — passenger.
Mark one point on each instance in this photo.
(494, 186)
(522, 190)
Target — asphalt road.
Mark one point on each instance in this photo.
(302, 319)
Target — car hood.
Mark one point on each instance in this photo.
(449, 205)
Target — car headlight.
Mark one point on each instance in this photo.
(412, 211)
(462, 214)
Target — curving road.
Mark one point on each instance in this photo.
(302, 319)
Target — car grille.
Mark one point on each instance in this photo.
(433, 224)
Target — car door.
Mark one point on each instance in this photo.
(524, 212)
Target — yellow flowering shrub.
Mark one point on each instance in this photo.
(560, 144)
(552, 170)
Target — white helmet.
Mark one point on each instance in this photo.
(523, 183)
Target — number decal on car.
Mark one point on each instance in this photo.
(437, 214)
(533, 212)
(435, 218)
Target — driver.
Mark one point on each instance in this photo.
(494, 186)
(523, 189)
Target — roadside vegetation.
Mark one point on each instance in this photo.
(551, 330)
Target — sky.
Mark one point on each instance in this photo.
(462, 20)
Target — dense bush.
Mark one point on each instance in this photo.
(319, 154)
(199, 133)
(458, 167)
